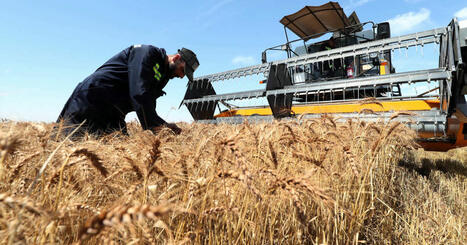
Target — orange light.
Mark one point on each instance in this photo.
(262, 81)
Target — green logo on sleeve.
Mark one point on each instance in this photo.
(157, 74)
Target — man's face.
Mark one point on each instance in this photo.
(177, 69)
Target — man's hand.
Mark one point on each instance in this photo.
(174, 128)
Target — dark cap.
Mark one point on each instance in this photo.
(191, 62)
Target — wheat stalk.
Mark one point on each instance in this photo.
(18, 166)
(7, 145)
(93, 158)
(123, 214)
(241, 178)
(367, 111)
(351, 158)
(216, 210)
(22, 203)
(273, 155)
(370, 100)
(401, 113)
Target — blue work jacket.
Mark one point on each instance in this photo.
(132, 80)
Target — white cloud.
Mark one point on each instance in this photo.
(412, 1)
(350, 6)
(243, 60)
(405, 23)
(203, 17)
(216, 7)
(358, 2)
(461, 14)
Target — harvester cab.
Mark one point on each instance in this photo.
(310, 23)
(354, 62)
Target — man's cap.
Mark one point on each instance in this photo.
(191, 62)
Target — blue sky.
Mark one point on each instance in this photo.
(48, 47)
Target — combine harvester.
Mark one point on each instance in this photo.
(348, 76)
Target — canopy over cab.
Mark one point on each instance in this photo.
(315, 21)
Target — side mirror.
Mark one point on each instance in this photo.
(383, 30)
(263, 57)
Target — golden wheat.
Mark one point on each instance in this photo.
(318, 181)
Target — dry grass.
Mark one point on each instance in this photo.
(308, 181)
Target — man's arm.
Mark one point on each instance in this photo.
(142, 84)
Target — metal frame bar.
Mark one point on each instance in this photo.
(422, 121)
(404, 77)
(420, 38)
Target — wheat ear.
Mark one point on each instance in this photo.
(122, 214)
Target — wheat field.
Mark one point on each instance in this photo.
(298, 182)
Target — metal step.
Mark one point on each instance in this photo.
(406, 41)
(404, 77)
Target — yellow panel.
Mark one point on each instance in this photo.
(382, 70)
(413, 105)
